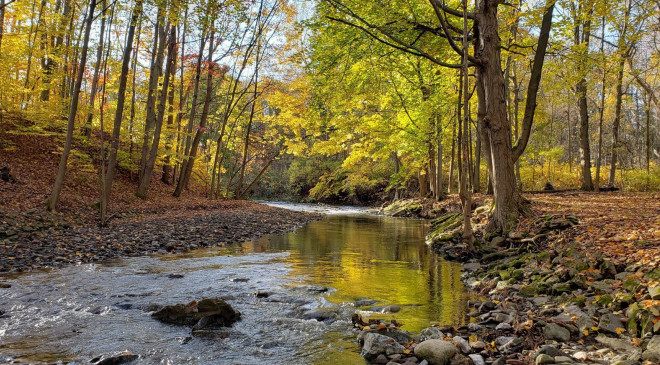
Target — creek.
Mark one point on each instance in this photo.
(349, 260)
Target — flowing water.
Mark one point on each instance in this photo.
(75, 313)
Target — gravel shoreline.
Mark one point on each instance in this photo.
(34, 240)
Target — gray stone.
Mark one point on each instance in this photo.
(462, 344)
(498, 241)
(546, 350)
(539, 301)
(380, 359)
(472, 266)
(503, 327)
(581, 355)
(436, 352)
(652, 352)
(431, 333)
(563, 360)
(487, 306)
(610, 323)
(553, 331)
(544, 359)
(619, 345)
(503, 317)
(477, 359)
(474, 327)
(375, 344)
(585, 323)
(423, 362)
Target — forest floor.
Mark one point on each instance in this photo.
(31, 237)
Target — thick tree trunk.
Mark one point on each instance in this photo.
(73, 109)
(2, 22)
(489, 74)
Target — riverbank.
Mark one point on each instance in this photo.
(39, 239)
(576, 282)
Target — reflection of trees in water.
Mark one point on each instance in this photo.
(379, 258)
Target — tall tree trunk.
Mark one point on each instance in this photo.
(153, 152)
(87, 128)
(2, 22)
(73, 109)
(131, 120)
(155, 72)
(464, 191)
(452, 161)
(508, 200)
(438, 175)
(192, 115)
(190, 161)
(602, 107)
(581, 38)
(167, 161)
(624, 53)
(617, 121)
(119, 113)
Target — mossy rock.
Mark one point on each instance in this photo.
(518, 274)
(632, 285)
(529, 290)
(444, 229)
(561, 288)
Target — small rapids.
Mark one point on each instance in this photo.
(332, 266)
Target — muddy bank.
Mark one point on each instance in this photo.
(35, 239)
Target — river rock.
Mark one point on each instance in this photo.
(320, 316)
(652, 352)
(436, 352)
(431, 333)
(219, 313)
(503, 327)
(546, 350)
(619, 345)
(462, 344)
(477, 359)
(544, 359)
(123, 357)
(474, 327)
(553, 331)
(611, 323)
(375, 344)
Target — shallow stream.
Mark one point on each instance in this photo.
(75, 313)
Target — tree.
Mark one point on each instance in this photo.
(73, 109)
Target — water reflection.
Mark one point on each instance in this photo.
(379, 258)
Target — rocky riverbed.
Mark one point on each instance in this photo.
(545, 302)
(36, 239)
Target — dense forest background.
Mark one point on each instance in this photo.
(326, 101)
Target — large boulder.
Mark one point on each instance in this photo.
(436, 352)
(214, 311)
(375, 344)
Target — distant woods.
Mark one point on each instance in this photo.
(171, 86)
(351, 102)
